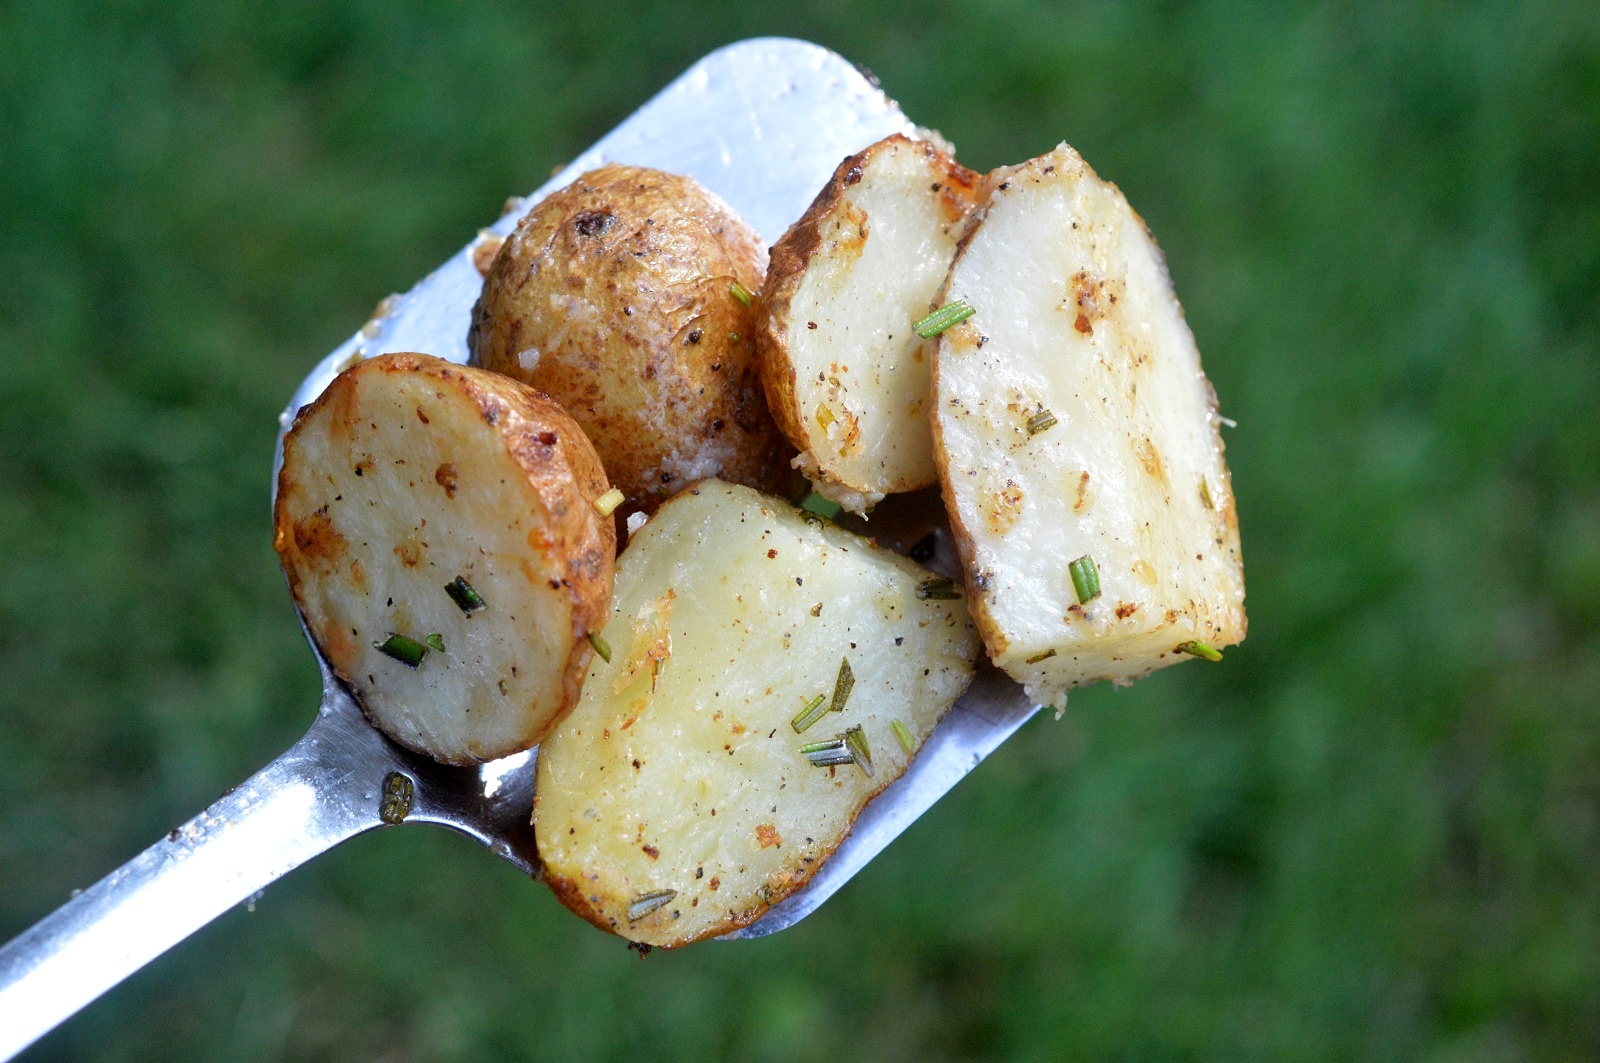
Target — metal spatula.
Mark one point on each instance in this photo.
(762, 123)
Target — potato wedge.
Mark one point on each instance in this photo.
(1073, 421)
(846, 376)
(432, 502)
(615, 296)
(675, 804)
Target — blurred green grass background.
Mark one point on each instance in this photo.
(1372, 833)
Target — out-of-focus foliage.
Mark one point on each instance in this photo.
(1373, 832)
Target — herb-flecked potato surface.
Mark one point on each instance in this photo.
(1079, 441)
(438, 528)
(626, 297)
(679, 801)
(846, 375)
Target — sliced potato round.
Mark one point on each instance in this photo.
(846, 376)
(676, 803)
(438, 528)
(1073, 421)
(617, 297)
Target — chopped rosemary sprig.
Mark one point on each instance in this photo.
(1040, 422)
(814, 711)
(832, 758)
(1045, 656)
(940, 588)
(408, 652)
(607, 503)
(740, 292)
(461, 592)
(464, 597)
(903, 736)
(646, 903)
(828, 754)
(1196, 648)
(601, 646)
(942, 318)
(435, 642)
(847, 748)
(1085, 579)
(823, 508)
(842, 686)
(855, 740)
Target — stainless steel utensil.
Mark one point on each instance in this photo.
(761, 123)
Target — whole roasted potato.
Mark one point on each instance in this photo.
(438, 527)
(626, 297)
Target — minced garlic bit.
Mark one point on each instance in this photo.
(607, 503)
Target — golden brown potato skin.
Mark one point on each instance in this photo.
(958, 189)
(622, 284)
(573, 546)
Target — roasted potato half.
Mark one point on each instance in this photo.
(1079, 441)
(438, 528)
(703, 776)
(846, 376)
(625, 297)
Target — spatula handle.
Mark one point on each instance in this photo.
(300, 805)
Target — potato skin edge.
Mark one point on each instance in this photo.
(566, 476)
(786, 268)
(570, 892)
(994, 642)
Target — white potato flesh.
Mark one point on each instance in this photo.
(1076, 318)
(680, 769)
(870, 255)
(408, 474)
